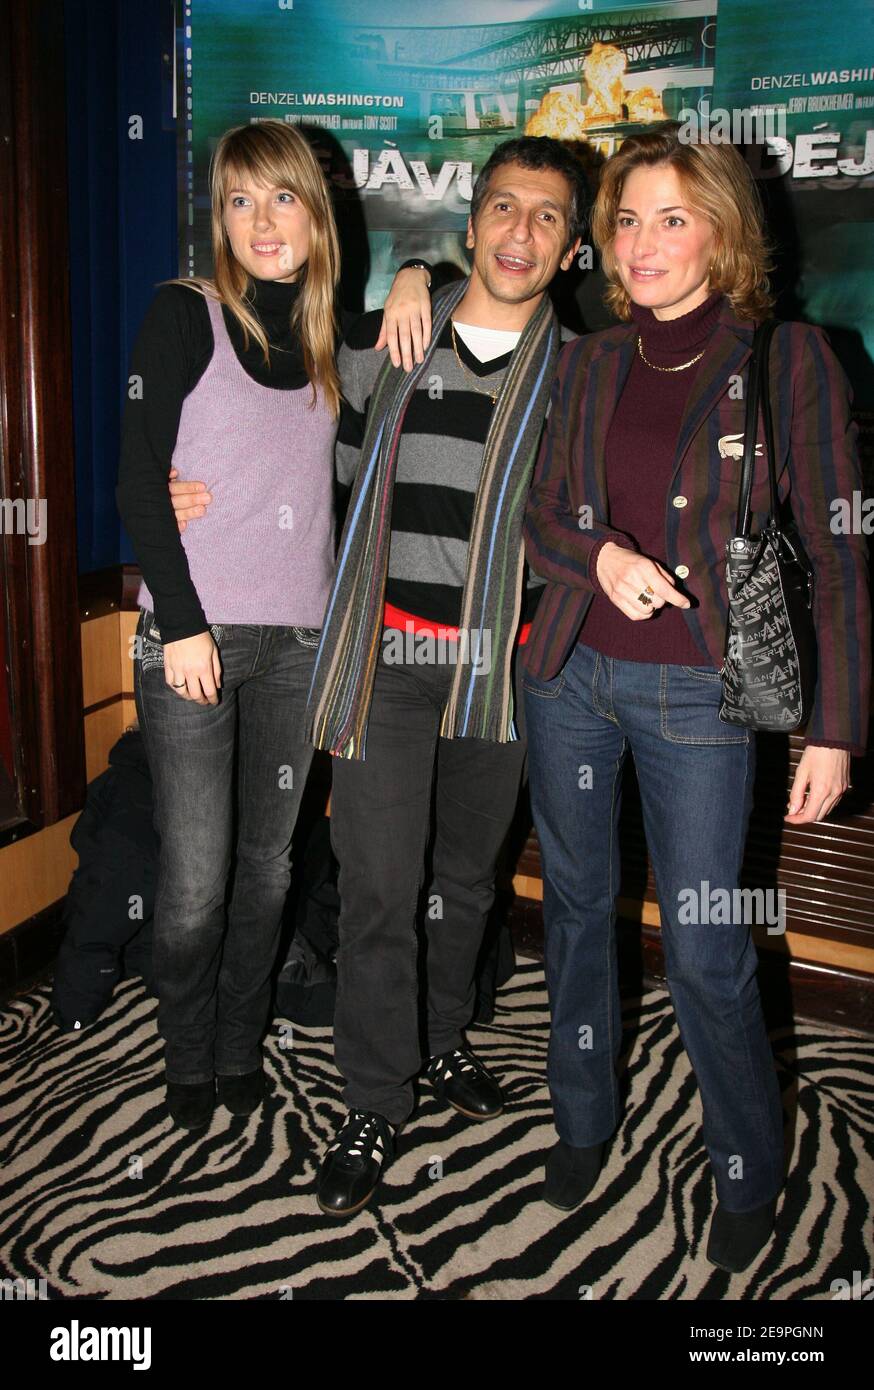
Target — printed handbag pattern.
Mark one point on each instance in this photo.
(769, 670)
(767, 682)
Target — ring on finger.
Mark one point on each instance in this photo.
(642, 598)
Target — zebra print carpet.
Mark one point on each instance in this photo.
(104, 1198)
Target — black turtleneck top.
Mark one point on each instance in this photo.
(640, 456)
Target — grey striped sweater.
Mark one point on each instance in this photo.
(438, 469)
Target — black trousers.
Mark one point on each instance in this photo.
(380, 827)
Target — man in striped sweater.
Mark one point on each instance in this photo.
(526, 216)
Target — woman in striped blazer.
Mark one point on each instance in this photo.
(634, 496)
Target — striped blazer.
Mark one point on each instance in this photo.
(817, 463)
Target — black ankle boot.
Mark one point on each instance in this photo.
(191, 1105)
(241, 1094)
(736, 1237)
(571, 1174)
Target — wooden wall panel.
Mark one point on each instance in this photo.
(36, 872)
(127, 631)
(102, 669)
(103, 728)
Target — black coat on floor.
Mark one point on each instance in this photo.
(110, 901)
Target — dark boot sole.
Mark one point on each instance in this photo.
(740, 1269)
(557, 1206)
(730, 1269)
(570, 1206)
(184, 1124)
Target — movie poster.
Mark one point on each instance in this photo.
(405, 107)
(809, 71)
(409, 112)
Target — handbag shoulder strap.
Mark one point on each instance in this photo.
(757, 390)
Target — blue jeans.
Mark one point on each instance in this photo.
(696, 779)
(228, 781)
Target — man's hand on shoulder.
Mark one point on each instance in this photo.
(190, 499)
(406, 321)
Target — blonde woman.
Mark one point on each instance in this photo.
(236, 385)
(634, 497)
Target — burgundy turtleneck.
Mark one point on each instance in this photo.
(640, 454)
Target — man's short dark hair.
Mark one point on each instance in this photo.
(539, 152)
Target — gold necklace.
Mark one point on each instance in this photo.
(681, 368)
(493, 395)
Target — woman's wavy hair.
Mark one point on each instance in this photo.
(718, 184)
(276, 155)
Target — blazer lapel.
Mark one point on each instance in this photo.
(608, 373)
(725, 357)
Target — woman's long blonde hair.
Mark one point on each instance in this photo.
(717, 183)
(276, 155)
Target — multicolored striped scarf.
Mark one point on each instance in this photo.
(480, 699)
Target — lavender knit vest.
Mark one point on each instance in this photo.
(264, 551)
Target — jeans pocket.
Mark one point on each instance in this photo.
(703, 673)
(148, 650)
(689, 700)
(547, 690)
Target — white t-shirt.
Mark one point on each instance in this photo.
(486, 343)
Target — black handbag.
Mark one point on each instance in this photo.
(769, 668)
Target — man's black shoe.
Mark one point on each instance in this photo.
(241, 1094)
(191, 1105)
(571, 1174)
(462, 1080)
(736, 1237)
(353, 1164)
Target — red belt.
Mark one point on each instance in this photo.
(396, 617)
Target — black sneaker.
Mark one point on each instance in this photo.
(461, 1079)
(353, 1164)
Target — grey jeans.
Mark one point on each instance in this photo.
(228, 781)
